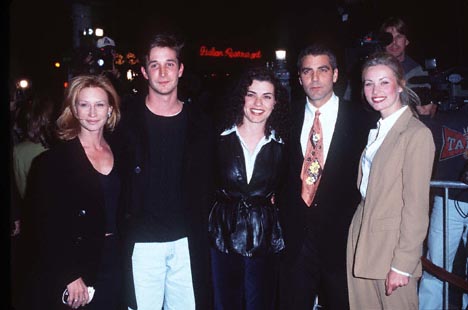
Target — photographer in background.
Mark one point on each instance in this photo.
(355, 58)
(393, 38)
(400, 33)
(99, 58)
(105, 59)
(106, 53)
(413, 70)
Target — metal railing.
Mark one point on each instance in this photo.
(446, 185)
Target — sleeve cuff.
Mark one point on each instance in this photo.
(401, 272)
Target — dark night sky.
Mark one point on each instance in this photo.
(40, 31)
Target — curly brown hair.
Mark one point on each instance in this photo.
(234, 110)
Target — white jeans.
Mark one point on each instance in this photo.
(431, 288)
(162, 275)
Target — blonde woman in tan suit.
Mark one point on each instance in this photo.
(389, 226)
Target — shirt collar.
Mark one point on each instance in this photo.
(272, 135)
(391, 120)
(329, 106)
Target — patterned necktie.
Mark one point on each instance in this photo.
(313, 162)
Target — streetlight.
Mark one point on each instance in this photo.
(281, 71)
(23, 84)
(22, 89)
(99, 32)
(280, 55)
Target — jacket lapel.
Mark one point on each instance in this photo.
(295, 139)
(388, 145)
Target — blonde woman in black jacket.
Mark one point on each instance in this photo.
(71, 200)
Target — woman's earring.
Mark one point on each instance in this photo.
(109, 114)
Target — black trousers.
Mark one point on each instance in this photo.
(243, 283)
(310, 274)
(109, 283)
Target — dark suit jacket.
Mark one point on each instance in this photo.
(132, 143)
(337, 197)
(64, 222)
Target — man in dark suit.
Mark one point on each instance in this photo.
(315, 232)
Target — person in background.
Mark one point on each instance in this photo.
(449, 132)
(400, 33)
(37, 129)
(243, 224)
(71, 206)
(315, 226)
(394, 33)
(388, 229)
(167, 152)
(34, 121)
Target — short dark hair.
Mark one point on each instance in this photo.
(317, 49)
(168, 40)
(397, 23)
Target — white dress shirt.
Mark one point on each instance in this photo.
(374, 141)
(328, 115)
(250, 158)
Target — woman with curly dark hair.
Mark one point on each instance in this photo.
(234, 110)
(243, 225)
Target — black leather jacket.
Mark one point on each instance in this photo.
(243, 218)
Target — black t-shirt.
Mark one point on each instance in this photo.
(163, 215)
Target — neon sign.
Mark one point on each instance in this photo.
(229, 53)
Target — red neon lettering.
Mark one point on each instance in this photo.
(228, 52)
(210, 52)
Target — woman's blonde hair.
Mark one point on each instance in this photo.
(68, 126)
(407, 96)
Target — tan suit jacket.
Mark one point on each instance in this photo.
(390, 225)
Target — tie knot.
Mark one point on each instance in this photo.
(317, 113)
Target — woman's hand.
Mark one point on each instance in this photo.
(393, 281)
(77, 293)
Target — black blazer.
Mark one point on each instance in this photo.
(133, 149)
(64, 222)
(337, 196)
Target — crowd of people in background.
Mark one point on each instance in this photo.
(149, 201)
